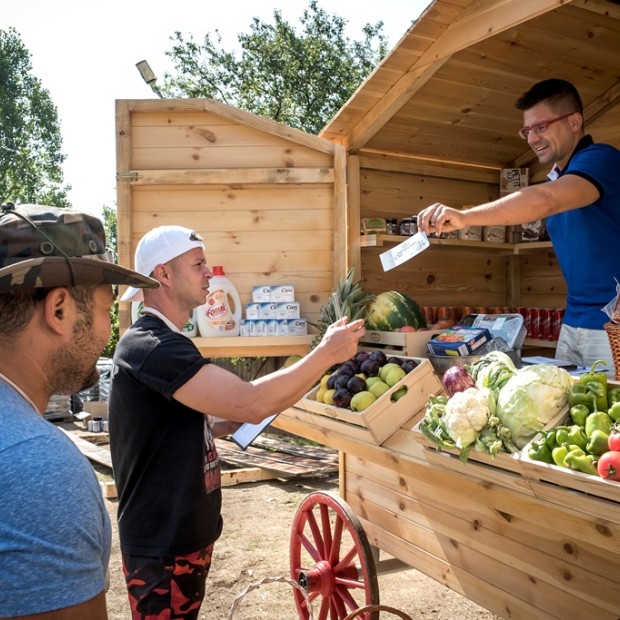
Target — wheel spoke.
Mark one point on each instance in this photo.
(337, 541)
(327, 531)
(350, 583)
(346, 560)
(347, 599)
(309, 547)
(316, 534)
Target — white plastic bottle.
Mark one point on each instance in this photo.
(220, 316)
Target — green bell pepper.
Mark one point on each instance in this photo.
(559, 454)
(597, 377)
(599, 392)
(580, 395)
(550, 439)
(579, 413)
(539, 451)
(598, 420)
(598, 443)
(577, 436)
(578, 460)
(614, 411)
(613, 395)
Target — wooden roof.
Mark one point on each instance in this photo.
(447, 90)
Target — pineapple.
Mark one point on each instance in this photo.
(349, 299)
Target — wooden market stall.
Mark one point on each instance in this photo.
(434, 122)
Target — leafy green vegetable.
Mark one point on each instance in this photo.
(492, 371)
(531, 398)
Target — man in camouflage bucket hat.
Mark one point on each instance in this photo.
(56, 292)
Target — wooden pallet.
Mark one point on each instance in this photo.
(267, 459)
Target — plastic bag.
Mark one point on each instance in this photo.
(612, 309)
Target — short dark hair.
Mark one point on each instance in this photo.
(17, 307)
(561, 95)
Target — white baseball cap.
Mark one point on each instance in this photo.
(159, 246)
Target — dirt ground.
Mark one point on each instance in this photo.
(258, 519)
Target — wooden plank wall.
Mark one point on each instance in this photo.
(447, 275)
(263, 203)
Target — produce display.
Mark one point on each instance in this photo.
(501, 412)
(590, 440)
(358, 382)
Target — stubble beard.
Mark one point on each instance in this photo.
(74, 366)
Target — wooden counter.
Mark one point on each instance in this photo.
(522, 548)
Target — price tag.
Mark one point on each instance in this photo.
(404, 251)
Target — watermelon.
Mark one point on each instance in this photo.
(391, 310)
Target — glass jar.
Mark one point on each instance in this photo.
(391, 224)
(406, 226)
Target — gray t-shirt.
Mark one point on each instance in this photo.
(55, 534)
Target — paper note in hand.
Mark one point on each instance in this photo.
(404, 251)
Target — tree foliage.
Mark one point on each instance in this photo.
(300, 79)
(30, 140)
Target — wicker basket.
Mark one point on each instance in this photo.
(357, 613)
(613, 333)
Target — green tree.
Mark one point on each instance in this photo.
(111, 234)
(300, 79)
(30, 141)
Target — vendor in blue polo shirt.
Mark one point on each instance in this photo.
(581, 204)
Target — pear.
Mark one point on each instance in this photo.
(399, 394)
(362, 400)
(328, 397)
(394, 376)
(378, 388)
(386, 369)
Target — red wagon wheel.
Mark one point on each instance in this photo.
(331, 560)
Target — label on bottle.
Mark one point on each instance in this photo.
(218, 312)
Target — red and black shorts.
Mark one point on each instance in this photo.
(168, 587)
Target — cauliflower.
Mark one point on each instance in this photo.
(467, 413)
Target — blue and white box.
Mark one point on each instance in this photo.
(288, 310)
(296, 327)
(252, 310)
(262, 293)
(267, 310)
(284, 292)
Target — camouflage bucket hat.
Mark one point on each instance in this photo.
(44, 247)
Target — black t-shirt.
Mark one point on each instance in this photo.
(166, 467)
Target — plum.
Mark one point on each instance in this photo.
(347, 368)
(356, 384)
(342, 381)
(370, 367)
(378, 356)
(409, 365)
(331, 382)
(394, 360)
(342, 397)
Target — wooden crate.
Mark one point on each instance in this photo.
(567, 478)
(412, 344)
(503, 460)
(383, 417)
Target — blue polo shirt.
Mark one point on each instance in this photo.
(587, 240)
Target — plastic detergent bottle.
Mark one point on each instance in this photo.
(190, 328)
(220, 315)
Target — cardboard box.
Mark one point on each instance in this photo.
(458, 341)
(411, 344)
(384, 417)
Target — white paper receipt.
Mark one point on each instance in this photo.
(404, 251)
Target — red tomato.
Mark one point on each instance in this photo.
(609, 465)
(614, 440)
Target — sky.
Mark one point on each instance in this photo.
(85, 55)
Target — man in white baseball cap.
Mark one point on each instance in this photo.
(163, 393)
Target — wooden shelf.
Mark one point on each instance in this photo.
(367, 241)
(541, 344)
(259, 346)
